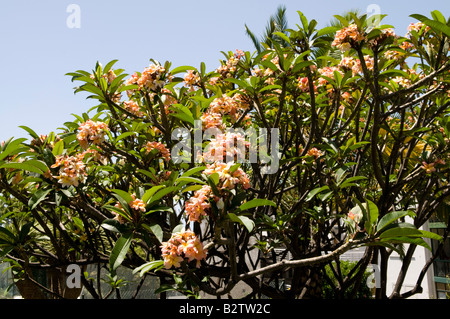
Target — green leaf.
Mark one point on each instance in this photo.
(372, 211)
(315, 191)
(160, 194)
(124, 195)
(190, 180)
(433, 24)
(299, 66)
(406, 240)
(192, 171)
(24, 231)
(349, 181)
(164, 288)
(5, 231)
(119, 251)
(256, 203)
(39, 164)
(182, 113)
(408, 230)
(243, 220)
(238, 82)
(438, 16)
(149, 193)
(214, 178)
(148, 266)
(178, 228)
(58, 148)
(30, 131)
(156, 230)
(114, 226)
(341, 19)
(326, 30)
(191, 188)
(181, 69)
(283, 36)
(23, 166)
(38, 197)
(109, 66)
(391, 217)
(12, 150)
(123, 135)
(401, 231)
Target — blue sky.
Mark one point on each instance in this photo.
(38, 48)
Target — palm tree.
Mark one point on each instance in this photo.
(277, 23)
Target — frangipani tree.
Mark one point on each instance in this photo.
(271, 166)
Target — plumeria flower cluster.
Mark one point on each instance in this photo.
(229, 145)
(232, 106)
(152, 77)
(136, 204)
(199, 205)
(71, 169)
(181, 246)
(91, 131)
(431, 167)
(382, 37)
(353, 219)
(192, 79)
(133, 107)
(347, 37)
(163, 151)
(327, 71)
(417, 27)
(353, 64)
(348, 63)
(227, 69)
(314, 152)
(228, 176)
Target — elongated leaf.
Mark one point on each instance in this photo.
(315, 191)
(124, 195)
(181, 69)
(160, 194)
(243, 220)
(191, 188)
(11, 150)
(190, 180)
(38, 197)
(349, 181)
(192, 171)
(148, 194)
(109, 66)
(408, 240)
(148, 266)
(23, 166)
(238, 82)
(403, 231)
(5, 233)
(435, 25)
(326, 30)
(256, 203)
(119, 251)
(372, 211)
(58, 148)
(156, 230)
(389, 218)
(30, 131)
(124, 135)
(283, 36)
(114, 226)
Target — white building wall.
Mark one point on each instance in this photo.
(418, 261)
